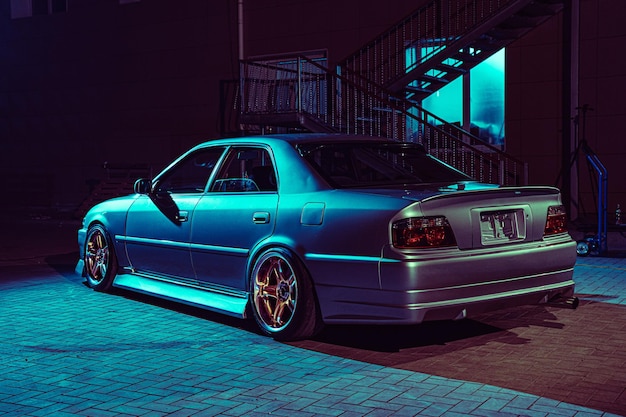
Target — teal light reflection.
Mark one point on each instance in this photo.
(486, 100)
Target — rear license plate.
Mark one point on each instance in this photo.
(498, 227)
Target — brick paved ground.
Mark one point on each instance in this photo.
(66, 350)
(576, 356)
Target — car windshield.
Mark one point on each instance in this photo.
(377, 164)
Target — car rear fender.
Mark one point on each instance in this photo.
(274, 241)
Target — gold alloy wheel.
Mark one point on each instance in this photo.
(97, 255)
(275, 292)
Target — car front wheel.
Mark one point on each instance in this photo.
(100, 261)
(282, 297)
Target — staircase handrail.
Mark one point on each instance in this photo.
(462, 133)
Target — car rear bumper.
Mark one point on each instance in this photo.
(455, 286)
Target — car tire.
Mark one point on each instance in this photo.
(282, 297)
(587, 246)
(582, 248)
(99, 257)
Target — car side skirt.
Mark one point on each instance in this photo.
(220, 300)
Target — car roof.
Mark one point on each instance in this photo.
(297, 138)
(281, 143)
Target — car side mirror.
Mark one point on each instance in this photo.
(142, 186)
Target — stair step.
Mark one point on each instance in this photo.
(470, 58)
(451, 69)
(432, 79)
(418, 90)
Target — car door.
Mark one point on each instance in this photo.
(159, 223)
(238, 212)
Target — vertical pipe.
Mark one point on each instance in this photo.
(466, 116)
(570, 75)
(299, 87)
(240, 28)
(242, 67)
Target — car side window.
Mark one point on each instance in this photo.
(246, 169)
(191, 174)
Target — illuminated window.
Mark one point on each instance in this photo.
(487, 99)
(482, 113)
(447, 102)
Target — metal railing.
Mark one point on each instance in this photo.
(307, 94)
(293, 86)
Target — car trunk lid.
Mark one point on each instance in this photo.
(489, 217)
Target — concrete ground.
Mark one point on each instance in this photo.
(67, 350)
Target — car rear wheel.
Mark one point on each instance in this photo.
(587, 246)
(100, 261)
(582, 248)
(282, 297)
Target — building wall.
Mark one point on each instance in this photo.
(108, 83)
(139, 83)
(340, 27)
(534, 87)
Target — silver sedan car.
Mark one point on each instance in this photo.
(302, 230)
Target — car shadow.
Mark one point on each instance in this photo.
(393, 338)
(396, 345)
(384, 339)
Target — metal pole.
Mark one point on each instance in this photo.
(299, 87)
(242, 67)
(570, 60)
(240, 28)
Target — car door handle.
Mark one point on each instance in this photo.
(182, 216)
(261, 217)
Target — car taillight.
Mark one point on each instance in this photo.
(422, 232)
(556, 221)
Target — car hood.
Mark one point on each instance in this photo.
(113, 205)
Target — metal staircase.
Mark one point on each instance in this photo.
(443, 40)
(309, 97)
(378, 90)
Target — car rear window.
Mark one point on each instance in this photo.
(379, 164)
